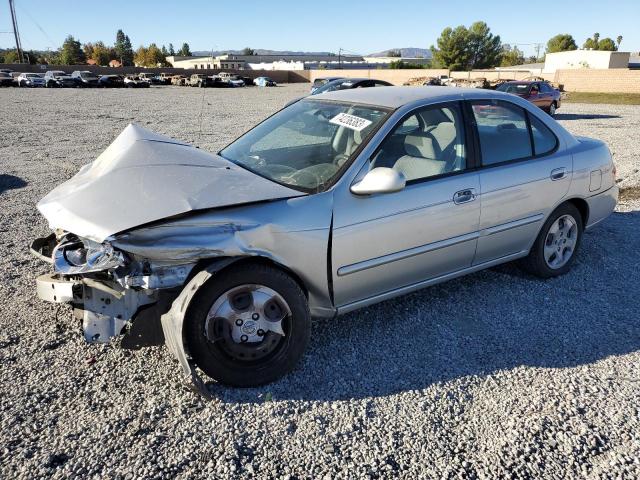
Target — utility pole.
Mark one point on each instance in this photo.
(12, 9)
(340, 58)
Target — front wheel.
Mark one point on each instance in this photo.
(249, 325)
(554, 250)
(552, 108)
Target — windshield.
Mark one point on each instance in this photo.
(520, 88)
(87, 75)
(305, 145)
(329, 86)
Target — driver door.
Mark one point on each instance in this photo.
(385, 242)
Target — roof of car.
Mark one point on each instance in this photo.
(394, 97)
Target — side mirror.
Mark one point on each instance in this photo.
(380, 180)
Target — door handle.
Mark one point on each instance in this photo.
(558, 173)
(464, 196)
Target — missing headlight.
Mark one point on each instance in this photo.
(74, 255)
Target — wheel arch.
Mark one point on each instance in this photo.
(582, 206)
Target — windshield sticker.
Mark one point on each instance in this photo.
(350, 121)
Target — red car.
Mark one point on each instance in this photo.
(539, 93)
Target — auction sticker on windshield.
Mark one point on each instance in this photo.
(350, 121)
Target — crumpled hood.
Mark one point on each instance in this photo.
(143, 177)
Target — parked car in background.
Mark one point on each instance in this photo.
(179, 80)
(200, 80)
(264, 82)
(235, 252)
(6, 70)
(134, 81)
(85, 78)
(6, 79)
(319, 82)
(30, 80)
(111, 81)
(541, 94)
(232, 79)
(151, 78)
(165, 78)
(58, 78)
(348, 83)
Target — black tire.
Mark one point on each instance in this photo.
(535, 262)
(552, 109)
(215, 360)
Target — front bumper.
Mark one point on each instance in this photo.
(104, 307)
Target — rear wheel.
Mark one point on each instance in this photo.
(555, 248)
(249, 325)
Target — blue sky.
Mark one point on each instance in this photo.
(324, 25)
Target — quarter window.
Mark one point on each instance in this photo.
(544, 141)
(428, 143)
(503, 131)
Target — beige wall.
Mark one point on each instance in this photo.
(592, 80)
(397, 77)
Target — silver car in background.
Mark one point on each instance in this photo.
(336, 202)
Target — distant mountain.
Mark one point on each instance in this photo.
(258, 51)
(408, 52)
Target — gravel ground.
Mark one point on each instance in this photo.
(496, 375)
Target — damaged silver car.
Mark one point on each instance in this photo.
(332, 204)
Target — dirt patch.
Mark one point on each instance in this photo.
(629, 194)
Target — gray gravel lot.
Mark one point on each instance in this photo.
(493, 375)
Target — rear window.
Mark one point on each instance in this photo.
(544, 141)
(503, 131)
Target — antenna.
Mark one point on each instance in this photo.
(12, 9)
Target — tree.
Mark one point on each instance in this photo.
(607, 44)
(561, 43)
(172, 52)
(102, 54)
(87, 48)
(511, 56)
(71, 52)
(165, 52)
(619, 40)
(452, 51)
(248, 51)
(11, 57)
(184, 51)
(486, 48)
(467, 48)
(123, 48)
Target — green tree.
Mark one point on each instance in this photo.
(486, 48)
(511, 56)
(607, 44)
(184, 51)
(165, 52)
(399, 64)
(452, 51)
(248, 51)
(11, 56)
(619, 41)
(465, 48)
(123, 48)
(87, 48)
(101, 54)
(71, 52)
(561, 43)
(172, 52)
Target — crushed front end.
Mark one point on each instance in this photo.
(106, 286)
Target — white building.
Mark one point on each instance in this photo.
(585, 59)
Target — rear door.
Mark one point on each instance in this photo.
(524, 173)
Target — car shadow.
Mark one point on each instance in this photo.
(491, 321)
(11, 182)
(583, 116)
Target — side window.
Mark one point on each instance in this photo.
(427, 143)
(544, 141)
(503, 131)
(546, 88)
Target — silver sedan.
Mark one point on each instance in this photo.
(334, 203)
